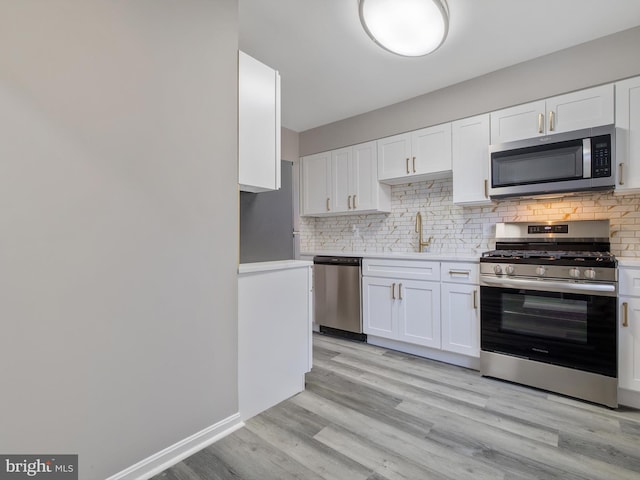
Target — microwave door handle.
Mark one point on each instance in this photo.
(586, 158)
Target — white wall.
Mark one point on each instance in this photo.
(601, 61)
(118, 226)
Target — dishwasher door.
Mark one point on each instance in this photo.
(337, 293)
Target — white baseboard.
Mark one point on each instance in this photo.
(160, 461)
(426, 352)
(628, 398)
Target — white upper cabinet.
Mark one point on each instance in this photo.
(394, 156)
(415, 156)
(470, 159)
(628, 135)
(315, 177)
(258, 126)
(343, 181)
(574, 111)
(368, 194)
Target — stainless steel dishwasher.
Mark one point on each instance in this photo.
(337, 295)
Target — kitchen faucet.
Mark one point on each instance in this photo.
(421, 243)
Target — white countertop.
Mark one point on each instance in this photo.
(245, 268)
(438, 257)
(628, 261)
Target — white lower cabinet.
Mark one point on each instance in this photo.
(460, 312)
(460, 319)
(402, 309)
(629, 329)
(441, 313)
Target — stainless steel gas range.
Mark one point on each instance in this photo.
(549, 308)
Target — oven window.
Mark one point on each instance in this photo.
(548, 317)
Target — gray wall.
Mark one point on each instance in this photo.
(118, 226)
(601, 61)
(290, 145)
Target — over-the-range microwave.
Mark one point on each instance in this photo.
(554, 164)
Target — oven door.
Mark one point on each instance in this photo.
(574, 330)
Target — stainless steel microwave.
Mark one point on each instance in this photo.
(553, 164)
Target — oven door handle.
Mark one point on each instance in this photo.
(603, 289)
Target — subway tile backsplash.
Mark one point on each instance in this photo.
(464, 230)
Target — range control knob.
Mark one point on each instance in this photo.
(510, 269)
(590, 274)
(574, 272)
(497, 270)
(541, 271)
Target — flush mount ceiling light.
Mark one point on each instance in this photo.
(410, 28)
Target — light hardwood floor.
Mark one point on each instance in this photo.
(373, 414)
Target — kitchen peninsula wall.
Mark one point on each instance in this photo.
(464, 230)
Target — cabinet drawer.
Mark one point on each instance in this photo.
(409, 269)
(460, 272)
(629, 281)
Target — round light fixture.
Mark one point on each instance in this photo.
(410, 28)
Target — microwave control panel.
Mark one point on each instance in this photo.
(601, 156)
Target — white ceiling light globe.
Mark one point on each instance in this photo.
(411, 28)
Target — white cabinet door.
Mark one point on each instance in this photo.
(583, 109)
(315, 188)
(628, 135)
(470, 160)
(517, 123)
(431, 150)
(379, 307)
(629, 343)
(341, 179)
(394, 156)
(419, 312)
(258, 125)
(460, 319)
(365, 187)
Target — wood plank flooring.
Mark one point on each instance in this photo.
(373, 414)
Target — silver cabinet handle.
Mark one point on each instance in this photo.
(541, 123)
(408, 172)
(475, 299)
(349, 202)
(354, 202)
(393, 291)
(399, 291)
(328, 209)
(621, 167)
(466, 273)
(625, 314)
(414, 164)
(551, 125)
(486, 188)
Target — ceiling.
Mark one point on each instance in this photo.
(331, 69)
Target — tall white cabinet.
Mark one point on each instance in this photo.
(258, 125)
(471, 161)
